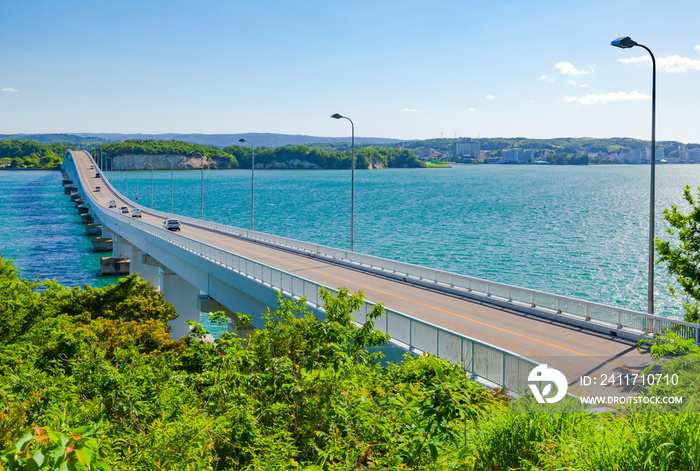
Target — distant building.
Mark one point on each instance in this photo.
(637, 156)
(517, 156)
(691, 155)
(467, 149)
(660, 153)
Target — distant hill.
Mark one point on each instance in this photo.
(217, 140)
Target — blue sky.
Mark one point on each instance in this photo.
(408, 69)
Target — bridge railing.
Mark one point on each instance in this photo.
(565, 309)
(597, 316)
(479, 359)
(483, 361)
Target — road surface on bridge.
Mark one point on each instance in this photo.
(573, 350)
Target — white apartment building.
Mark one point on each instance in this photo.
(467, 148)
(518, 156)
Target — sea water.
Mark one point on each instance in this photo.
(569, 230)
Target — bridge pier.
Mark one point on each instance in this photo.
(183, 296)
(119, 263)
(146, 267)
(246, 297)
(121, 249)
(209, 305)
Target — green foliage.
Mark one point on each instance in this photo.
(45, 449)
(338, 156)
(303, 393)
(130, 299)
(683, 253)
(29, 154)
(299, 156)
(220, 157)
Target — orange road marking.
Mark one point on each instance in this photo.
(423, 304)
(534, 339)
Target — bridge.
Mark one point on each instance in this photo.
(497, 332)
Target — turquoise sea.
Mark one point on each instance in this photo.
(575, 231)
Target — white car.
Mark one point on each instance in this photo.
(171, 224)
(136, 213)
(124, 210)
(112, 204)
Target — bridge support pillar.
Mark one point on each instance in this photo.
(181, 294)
(251, 299)
(121, 249)
(142, 265)
(209, 305)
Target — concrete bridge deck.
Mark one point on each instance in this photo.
(574, 350)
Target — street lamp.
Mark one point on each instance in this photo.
(252, 183)
(137, 180)
(172, 167)
(352, 185)
(151, 165)
(626, 43)
(201, 190)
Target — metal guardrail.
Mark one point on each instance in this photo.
(596, 316)
(483, 361)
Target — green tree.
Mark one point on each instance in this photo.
(682, 253)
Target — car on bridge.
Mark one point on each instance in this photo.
(112, 204)
(124, 210)
(171, 224)
(136, 213)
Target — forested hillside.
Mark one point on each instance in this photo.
(30, 154)
(45, 150)
(240, 156)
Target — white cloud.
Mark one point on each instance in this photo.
(678, 64)
(472, 109)
(412, 110)
(7, 89)
(567, 68)
(635, 60)
(490, 97)
(697, 47)
(603, 98)
(576, 84)
(670, 64)
(545, 78)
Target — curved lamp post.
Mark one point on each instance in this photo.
(626, 43)
(126, 176)
(201, 190)
(138, 170)
(252, 184)
(151, 165)
(352, 185)
(172, 167)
